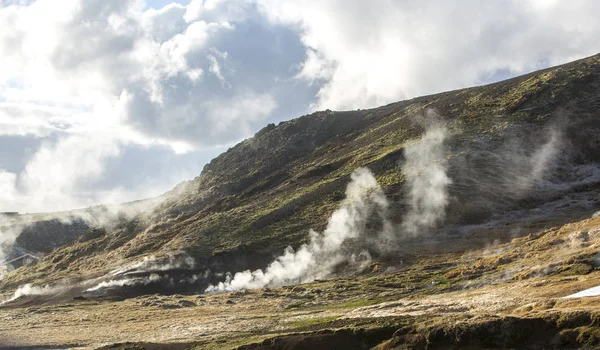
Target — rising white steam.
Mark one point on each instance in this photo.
(152, 263)
(122, 277)
(8, 233)
(126, 282)
(319, 258)
(534, 169)
(426, 178)
(427, 181)
(29, 289)
(105, 216)
(545, 155)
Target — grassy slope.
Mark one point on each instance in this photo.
(266, 192)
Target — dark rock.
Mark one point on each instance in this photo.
(187, 303)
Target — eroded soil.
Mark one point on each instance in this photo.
(503, 295)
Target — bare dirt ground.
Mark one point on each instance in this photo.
(435, 298)
(231, 319)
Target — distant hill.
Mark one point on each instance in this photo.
(521, 154)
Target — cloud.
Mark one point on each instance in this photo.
(93, 78)
(89, 55)
(369, 54)
(215, 66)
(7, 183)
(210, 73)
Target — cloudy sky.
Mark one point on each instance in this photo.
(103, 101)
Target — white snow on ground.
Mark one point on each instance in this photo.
(586, 293)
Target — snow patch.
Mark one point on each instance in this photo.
(585, 293)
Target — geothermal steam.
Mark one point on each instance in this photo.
(127, 282)
(108, 217)
(427, 181)
(29, 289)
(325, 252)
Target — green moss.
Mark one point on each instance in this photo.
(353, 304)
(576, 269)
(589, 337)
(573, 319)
(311, 322)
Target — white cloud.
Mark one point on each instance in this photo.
(372, 53)
(215, 66)
(94, 77)
(56, 171)
(194, 10)
(8, 183)
(93, 51)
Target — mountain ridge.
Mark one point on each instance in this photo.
(469, 218)
(266, 192)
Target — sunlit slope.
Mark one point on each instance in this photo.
(513, 147)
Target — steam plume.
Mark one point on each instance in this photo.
(325, 252)
(29, 289)
(105, 216)
(536, 166)
(425, 170)
(426, 178)
(8, 234)
(147, 271)
(152, 264)
(125, 282)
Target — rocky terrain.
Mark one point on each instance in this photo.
(475, 218)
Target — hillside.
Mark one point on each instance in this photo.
(268, 191)
(512, 165)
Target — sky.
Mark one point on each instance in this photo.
(105, 101)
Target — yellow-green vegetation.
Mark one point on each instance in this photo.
(484, 276)
(411, 306)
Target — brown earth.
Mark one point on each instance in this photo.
(505, 296)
